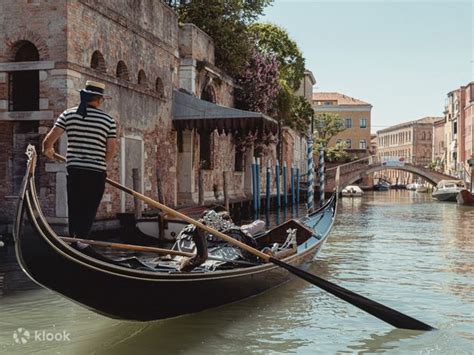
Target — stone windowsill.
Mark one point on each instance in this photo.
(26, 115)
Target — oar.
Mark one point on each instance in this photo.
(127, 246)
(384, 313)
(145, 249)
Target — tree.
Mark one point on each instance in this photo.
(227, 23)
(338, 153)
(258, 86)
(273, 39)
(301, 114)
(328, 125)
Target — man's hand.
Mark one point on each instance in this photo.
(49, 140)
(49, 152)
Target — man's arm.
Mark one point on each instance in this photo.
(50, 139)
(111, 149)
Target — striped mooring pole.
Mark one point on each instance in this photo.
(310, 201)
(321, 176)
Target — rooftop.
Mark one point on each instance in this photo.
(424, 120)
(340, 98)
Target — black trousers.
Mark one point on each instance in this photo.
(85, 188)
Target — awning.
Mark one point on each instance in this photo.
(191, 112)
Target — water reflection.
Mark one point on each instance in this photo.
(397, 247)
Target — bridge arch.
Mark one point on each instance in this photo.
(352, 174)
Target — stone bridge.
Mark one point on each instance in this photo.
(351, 172)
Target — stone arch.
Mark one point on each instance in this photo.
(209, 94)
(159, 87)
(142, 79)
(122, 71)
(98, 62)
(17, 40)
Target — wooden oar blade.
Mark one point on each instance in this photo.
(387, 314)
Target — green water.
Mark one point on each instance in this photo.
(399, 248)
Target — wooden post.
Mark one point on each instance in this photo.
(292, 185)
(285, 185)
(201, 187)
(226, 189)
(278, 190)
(267, 186)
(136, 186)
(258, 183)
(254, 184)
(297, 185)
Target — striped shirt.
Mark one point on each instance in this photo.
(87, 137)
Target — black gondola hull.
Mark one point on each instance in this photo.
(118, 292)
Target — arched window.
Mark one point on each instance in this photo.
(122, 71)
(362, 144)
(24, 84)
(208, 94)
(142, 80)
(159, 87)
(98, 62)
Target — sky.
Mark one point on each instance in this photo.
(403, 57)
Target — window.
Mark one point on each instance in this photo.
(363, 123)
(348, 123)
(159, 87)
(362, 144)
(208, 94)
(122, 71)
(142, 80)
(339, 141)
(328, 103)
(455, 127)
(349, 143)
(24, 84)
(98, 62)
(205, 149)
(239, 159)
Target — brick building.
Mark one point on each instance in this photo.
(48, 49)
(411, 140)
(356, 115)
(458, 113)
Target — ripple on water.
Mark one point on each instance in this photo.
(398, 248)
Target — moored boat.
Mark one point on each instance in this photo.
(422, 189)
(447, 190)
(465, 197)
(382, 186)
(121, 290)
(352, 191)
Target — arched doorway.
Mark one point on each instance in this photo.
(24, 85)
(23, 96)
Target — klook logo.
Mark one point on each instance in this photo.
(22, 336)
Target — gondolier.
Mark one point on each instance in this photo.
(91, 144)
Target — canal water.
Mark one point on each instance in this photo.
(398, 247)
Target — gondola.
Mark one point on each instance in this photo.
(129, 293)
